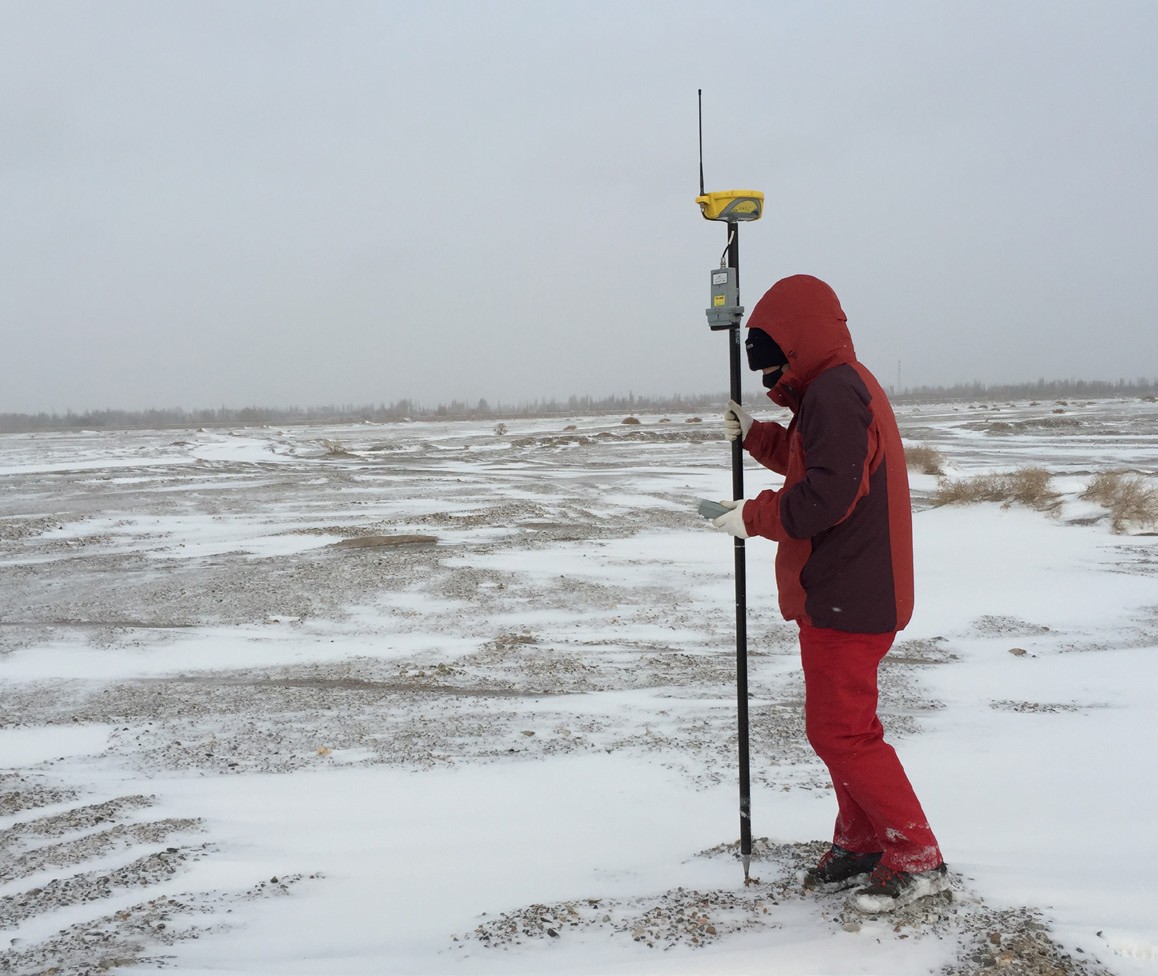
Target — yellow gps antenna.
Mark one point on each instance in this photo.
(732, 206)
(725, 313)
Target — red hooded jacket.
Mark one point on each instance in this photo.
(843, 518)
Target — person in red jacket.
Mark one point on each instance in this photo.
(844, 573)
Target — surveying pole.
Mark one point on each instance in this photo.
(733, 207)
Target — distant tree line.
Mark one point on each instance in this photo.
(407, 409)
(1039, 390)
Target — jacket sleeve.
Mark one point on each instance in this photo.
(762, 516)
(767, 442)
(835, 428)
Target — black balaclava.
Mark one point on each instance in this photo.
(763, 351)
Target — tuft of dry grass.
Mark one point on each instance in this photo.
(1130, 500)
(1026, 486)
(926, 459)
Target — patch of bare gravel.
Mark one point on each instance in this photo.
(80, 855)
(139, 935)
(983, 939)
(518, 697)
(994, 626)
(1044, 708)
(27, 791)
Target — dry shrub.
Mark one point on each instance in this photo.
(1129, 498)
(1103, 487)
(926, 459)
(1026, 486)
(335, 449)
(1030, 486)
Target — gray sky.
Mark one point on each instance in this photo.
(230, 203)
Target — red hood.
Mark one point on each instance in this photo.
(803, 315)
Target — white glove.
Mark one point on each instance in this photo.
(737, 422)
(733, 521)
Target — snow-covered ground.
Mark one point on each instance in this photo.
(432, 698)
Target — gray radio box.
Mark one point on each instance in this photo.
(711, 510)
(725, 311)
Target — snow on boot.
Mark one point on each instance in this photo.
(839, 869)
(889, 890)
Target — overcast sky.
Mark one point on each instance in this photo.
(290, 203)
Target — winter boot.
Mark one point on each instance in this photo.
(889, 890)
(839, 869)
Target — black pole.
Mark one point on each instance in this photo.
(736, 340)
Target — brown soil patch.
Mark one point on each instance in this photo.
(384, 541)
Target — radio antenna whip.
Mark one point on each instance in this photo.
(700, 96)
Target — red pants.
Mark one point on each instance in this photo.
(878, 810)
